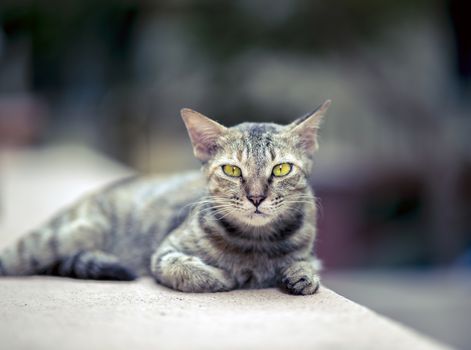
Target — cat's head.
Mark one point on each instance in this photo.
(256, 172)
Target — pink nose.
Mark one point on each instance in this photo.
(256, 200)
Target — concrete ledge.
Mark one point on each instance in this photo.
(52, 313)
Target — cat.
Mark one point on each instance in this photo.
(247, 220)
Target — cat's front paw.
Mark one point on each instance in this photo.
(300, 280)
(189, 274)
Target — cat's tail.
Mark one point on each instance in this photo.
(43, 253)
(69, 245)
(31, 254)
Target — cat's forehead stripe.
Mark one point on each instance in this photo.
(239, 154)
(259, 141)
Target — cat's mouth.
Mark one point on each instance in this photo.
(256, 217)
(257, 214)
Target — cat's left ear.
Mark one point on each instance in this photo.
(204, 133)
(305, 129)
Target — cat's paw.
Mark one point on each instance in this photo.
(302, 284)
(300, 280)
(200, 280)
(190, 274)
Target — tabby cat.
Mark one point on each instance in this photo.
(248, 221)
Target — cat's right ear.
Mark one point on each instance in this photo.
(204, 133)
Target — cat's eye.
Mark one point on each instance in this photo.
(232, 170)
(282, 169)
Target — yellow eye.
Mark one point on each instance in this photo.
(232, 170)
(282, 169)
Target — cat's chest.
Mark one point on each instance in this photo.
(251, 271)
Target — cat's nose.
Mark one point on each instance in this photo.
(256, 200)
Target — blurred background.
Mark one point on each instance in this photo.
(394, 169)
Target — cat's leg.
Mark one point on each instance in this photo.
(95, 265)
(187, 273)
(301, 277)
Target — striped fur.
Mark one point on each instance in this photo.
(196, 232)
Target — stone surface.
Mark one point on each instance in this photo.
(49, 313)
